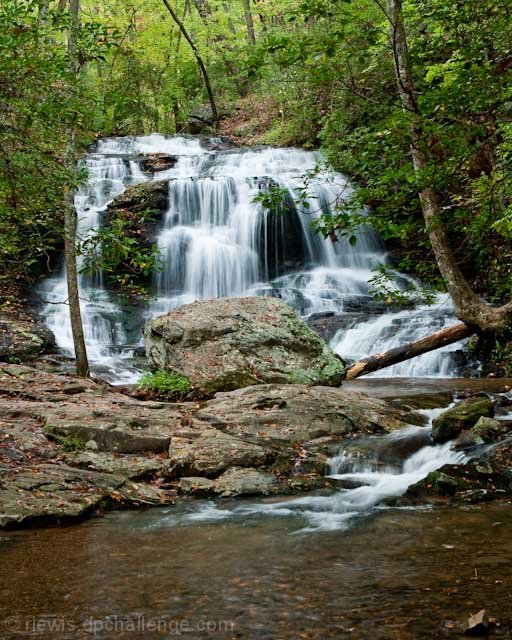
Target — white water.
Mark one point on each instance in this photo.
(373, 482)
(395, 329)
(215, 241)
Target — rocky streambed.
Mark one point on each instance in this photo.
(261, 413)
(71, 447)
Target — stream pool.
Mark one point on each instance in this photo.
(258, 569)
(400, 574)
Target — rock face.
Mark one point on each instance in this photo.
(200, 120)
(140, 208)
(461, 417)
(230, 343)
(23, 341)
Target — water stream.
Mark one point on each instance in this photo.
(215, 240)
(368, 471)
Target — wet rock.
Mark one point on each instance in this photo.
(246, 482)
(485, 431)
(487, 476)
(22, 341)
(141, 197)
(199, 487)
(463, 416)
(226, 344)
(328, 324)
(154, 162)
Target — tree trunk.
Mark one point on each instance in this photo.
(468, 306)
(70, 221)
(251, 35)
(200, 62)
(410, 350)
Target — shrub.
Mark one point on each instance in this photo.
(166, 383)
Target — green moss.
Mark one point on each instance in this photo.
(68, 443)
(72, 443)
(166, 383)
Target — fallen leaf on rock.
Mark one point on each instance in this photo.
(478, 624)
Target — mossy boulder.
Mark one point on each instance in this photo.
(485, 431)
(461, 417)
(231, 343)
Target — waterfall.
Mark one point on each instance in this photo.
(216, 241)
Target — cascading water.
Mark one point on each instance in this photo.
(215, 240)
(369, 470)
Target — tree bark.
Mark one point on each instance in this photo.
(469, 307)
(70, 220)
(199, 60)
(251, 35)
(410, 350)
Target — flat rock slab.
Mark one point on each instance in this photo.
(80, 411)
(69, 447)
(134, 467)
(234, 482)
(296, 414)
(231, 343)
(56, 491)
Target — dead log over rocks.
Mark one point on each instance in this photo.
(410, 350)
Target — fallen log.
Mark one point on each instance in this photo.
(410, 350)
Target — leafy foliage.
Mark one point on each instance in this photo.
(166, 383)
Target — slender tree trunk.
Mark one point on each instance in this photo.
(410, 350)
(70, 220)
(251, 35)
(468, 306)
(200, 62)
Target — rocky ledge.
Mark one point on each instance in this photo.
(71, 447)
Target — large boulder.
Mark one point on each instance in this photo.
(22, 341)
(230, 343)
(460, 417)
(201, 120)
